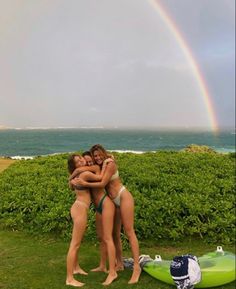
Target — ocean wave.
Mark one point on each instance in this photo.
(224, 150)
(35, 156)
(32, 157)
(22, 157)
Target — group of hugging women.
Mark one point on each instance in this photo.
(94, 176)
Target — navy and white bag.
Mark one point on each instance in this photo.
(185, 271)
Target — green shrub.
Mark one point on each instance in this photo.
(177, 195)
(193, 148)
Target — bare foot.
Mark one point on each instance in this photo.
(74, 283)
(110, 279)
(99, 269)
(135, 276)
(119, 267)
(80, 271)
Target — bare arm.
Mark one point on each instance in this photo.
(109, 171)
(75, 173)
(104, 165)
(94, 169)
(90, 177)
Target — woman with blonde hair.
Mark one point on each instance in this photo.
(124, 203)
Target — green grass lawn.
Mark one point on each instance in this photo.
(28, 262)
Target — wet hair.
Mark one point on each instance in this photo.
(87, 153)
(71, 162)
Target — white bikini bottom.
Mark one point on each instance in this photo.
(116, 200)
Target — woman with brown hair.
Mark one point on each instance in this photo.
(107, 210)
(124, 203)
(79, 213)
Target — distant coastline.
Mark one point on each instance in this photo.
(122, 128)
(3, 127)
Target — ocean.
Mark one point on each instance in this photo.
(36, 142)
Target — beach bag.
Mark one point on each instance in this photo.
(185, 271)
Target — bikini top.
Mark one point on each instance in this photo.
(80, 188)
(115, 176)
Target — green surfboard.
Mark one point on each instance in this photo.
(217, 268)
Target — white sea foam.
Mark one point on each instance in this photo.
(22, 157)
(32, 157)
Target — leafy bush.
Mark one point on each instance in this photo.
(193, 148)
(176, 194)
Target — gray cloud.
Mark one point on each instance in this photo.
(112, 63)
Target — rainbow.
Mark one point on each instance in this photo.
(191, 60)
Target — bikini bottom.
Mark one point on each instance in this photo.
(100, 204)
(116, 200)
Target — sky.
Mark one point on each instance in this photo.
(107, 63)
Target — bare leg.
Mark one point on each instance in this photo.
(117, 240)
(103, 252)
(79, 216)
(127, 215)
(79, 270)
(107, 224)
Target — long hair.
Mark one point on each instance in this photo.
(100, 148)
(71, 162)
